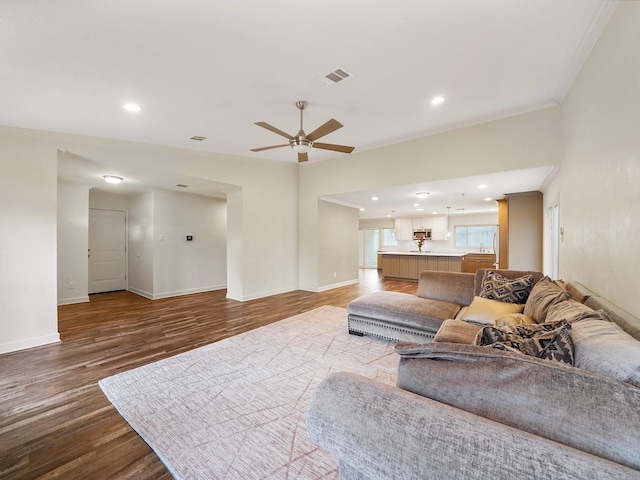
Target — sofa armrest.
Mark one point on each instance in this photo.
(590, 412)
(446, 286)
(377, 431)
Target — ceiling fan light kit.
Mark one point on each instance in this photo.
(302, 143)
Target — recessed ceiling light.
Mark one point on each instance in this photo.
(435, 213)
(419, 209)
(132, 107)
(362, 209)
(437, 100)
(482, 187)
(416, 204)
(112, 179)
(374, 198)
(422, 194)
(488, 199)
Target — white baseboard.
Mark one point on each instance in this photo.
(142, 293)
(336, 285)
(69, 301)
(262, 295)
(156, 296)
(29, 343)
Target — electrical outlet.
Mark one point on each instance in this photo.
(72, 285)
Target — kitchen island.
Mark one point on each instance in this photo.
(408, 265)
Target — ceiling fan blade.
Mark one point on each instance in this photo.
(331, 126)
(274, 129)
(268, 148)
(303, 157)
(335, 148)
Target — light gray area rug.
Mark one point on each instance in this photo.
(235, 409)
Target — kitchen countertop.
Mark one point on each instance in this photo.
(428, 254)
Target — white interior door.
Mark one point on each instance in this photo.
(107, 251)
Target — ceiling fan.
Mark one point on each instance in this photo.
(302, 142)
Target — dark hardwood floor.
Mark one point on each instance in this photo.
(55, 421)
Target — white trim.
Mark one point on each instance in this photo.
(336, 285)
(261, 295)
(69, 301)
(29, 343)
(589, 40)
(179, 293)
(142, 293)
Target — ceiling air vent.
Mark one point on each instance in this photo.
(198, 138)
(335, 76)
(181, 185)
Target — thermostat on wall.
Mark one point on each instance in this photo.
(189, 238)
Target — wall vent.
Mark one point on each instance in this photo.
(335, 76)
(198, 138)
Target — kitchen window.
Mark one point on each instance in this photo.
(475, 236)
(388, 237)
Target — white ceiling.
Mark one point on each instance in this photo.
(465, 195)
(212, 68)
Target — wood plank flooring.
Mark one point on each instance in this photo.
(55, 422)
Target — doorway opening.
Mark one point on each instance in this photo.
(369, 243)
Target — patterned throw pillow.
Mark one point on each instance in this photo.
(498, 287)
(551, 341)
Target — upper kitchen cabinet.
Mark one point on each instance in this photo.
(406, 226)
(422, 223)
(439, 228)
(520, 218)
(404, 229)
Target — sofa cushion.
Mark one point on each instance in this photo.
(498, 287)
(624, 319)
(578, 291)
(457, 331)
(551, 341)
(603, 347)
(585, 410)
(543, 294)
(513, 319)
(567, 309)
(484, 310)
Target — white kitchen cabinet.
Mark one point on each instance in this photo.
(404, 229)
(439, 228)
(422, 222)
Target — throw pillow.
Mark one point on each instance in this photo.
(544, 293)
(457, 331)
(513, 319)
(603, 347)
(551, 341)
(498, 287)
(483, 310)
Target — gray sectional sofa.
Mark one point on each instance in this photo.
(463, 411)
(417, 318)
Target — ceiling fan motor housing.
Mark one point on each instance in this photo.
(300, 144)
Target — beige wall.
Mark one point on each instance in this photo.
(73, 244)
(28, 231)
(337, 245)
(598, 185)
